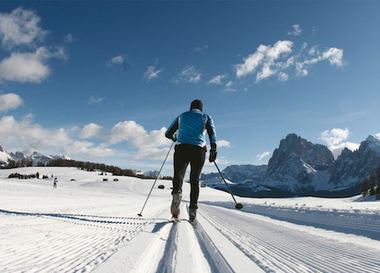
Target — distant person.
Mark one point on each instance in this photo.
(55, 183)
(188, 130)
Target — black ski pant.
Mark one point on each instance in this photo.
(183, 155)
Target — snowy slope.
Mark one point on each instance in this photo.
(90, 225)
(4, 156)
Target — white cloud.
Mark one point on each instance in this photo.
(336, 140)
(251, 62)
(95, 100)
(266, 72)
(10, 101)
(119, 59)
(88, 149)
(281, 59)
(29, 67)
(20, 30)
(68, 38)
(333, 55)
(313, 50)
(263, 60)
(21, 27)
(217, 79)
(230, 87)
(152, 72)
(263, 157)
(189, 74)
(335, 136)
(296, 30)
(223, 143)
(147, 144)
(90, 130)
(282, 76)
(27, 135)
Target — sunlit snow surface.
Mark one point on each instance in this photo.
(90, 225)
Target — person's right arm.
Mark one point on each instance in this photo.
(170, 132)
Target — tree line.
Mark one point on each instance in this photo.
(371, 184)
(83, 165)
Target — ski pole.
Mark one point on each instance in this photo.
(158, 175)
(237, 205)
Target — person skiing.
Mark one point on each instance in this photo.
(188, 130)
(55, 183)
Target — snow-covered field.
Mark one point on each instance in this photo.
(90, 225)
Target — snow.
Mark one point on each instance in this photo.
(90, 225)
(4, 156)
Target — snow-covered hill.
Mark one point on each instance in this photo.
(87, 225)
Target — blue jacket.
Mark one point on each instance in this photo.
(192, 126)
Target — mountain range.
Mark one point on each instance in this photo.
(299, 167)
(33, 158)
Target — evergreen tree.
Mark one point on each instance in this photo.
(365, 186)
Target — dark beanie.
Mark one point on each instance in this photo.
(196, 104)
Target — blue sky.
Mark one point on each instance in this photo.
(263, 69)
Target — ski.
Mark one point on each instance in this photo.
(174, 220)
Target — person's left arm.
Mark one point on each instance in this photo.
(210, 127)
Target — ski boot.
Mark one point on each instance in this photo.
(192, 215)
(176, 202)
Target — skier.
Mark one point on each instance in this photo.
(188, 131)
(55, 183)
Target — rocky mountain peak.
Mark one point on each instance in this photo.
(371, 143)
(351, 167)
(372, 139)
(296, 162)
(294, 147)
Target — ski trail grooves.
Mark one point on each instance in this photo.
(170, 247)
(279, 249)
(168, 261)
(190, 254)
(176, 249)
(61, 243)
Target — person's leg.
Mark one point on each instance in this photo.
(180, 165)
(196, 163)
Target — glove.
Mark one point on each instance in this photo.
(213, 153)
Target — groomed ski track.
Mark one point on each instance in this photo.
(226, 240)
(181, 247)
